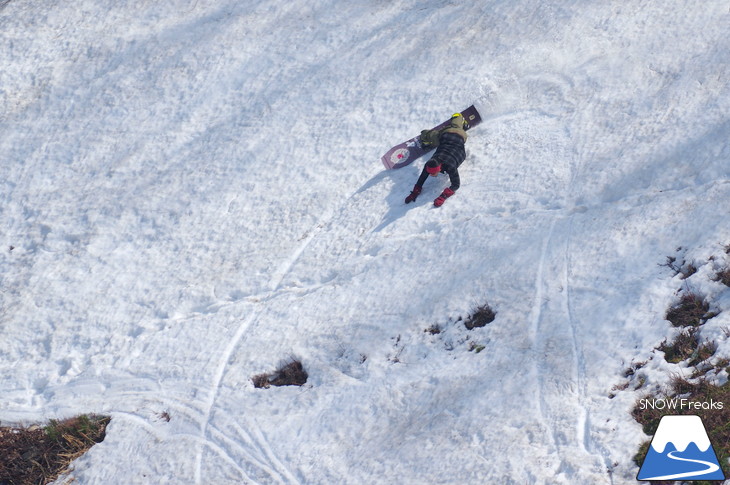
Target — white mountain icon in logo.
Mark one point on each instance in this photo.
(681, 450)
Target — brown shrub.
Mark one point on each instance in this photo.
(480, 317)
(37, 455)
(291, 374)
(691, 311)
(724, 277)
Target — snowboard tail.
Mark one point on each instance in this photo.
(411, 150)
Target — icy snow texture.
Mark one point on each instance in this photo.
(194, 194)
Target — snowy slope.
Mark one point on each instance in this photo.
(193, 194)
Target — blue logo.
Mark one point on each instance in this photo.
(681, 450)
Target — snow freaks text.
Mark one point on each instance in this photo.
(679, 404)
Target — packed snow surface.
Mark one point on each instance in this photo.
(191, 195)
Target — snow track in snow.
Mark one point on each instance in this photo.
(216, 383)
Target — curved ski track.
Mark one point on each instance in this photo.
(276, 467)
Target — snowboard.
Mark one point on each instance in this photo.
(409, 151)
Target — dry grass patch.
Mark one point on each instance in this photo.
(480, 317)
(724, 277)
(687, 346)
(691, 311)
(290, 374)
(39, 455)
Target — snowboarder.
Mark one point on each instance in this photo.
(450, 153)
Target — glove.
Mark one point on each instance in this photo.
(414, 193)
(429, 138)
(424, 139)
(442, 198)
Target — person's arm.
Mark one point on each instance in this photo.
(417, 188)
(453, 177)
(422, 179)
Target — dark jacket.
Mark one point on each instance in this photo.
(451, 153)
